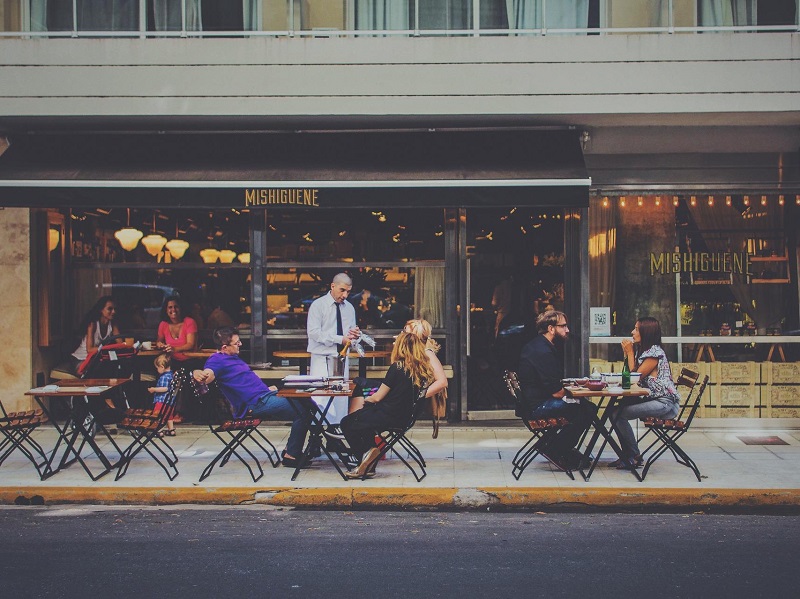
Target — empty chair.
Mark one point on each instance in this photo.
(17, 428)
(146, 425)
(541, 432)
(669, 431)
(240, 437)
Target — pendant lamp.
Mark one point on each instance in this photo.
(209, 255)
(226, 256)
(244, 257)
(128, 237)
(154, 242)
(177, 247)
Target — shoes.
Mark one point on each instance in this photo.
(315, 449)
(577, 460)
(334, 432)
(628, 464)
(366, 469)
(294, 462)
(167, 433)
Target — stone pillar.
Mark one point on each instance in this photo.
(15, 307)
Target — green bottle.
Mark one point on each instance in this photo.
(626, 374)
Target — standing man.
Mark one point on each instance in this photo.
(541, 367)
(331, 322)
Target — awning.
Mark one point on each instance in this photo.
(767, 173)
(342, 169)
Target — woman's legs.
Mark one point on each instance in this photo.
(656, 408)
(360, 426)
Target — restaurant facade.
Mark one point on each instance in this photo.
(471, 180)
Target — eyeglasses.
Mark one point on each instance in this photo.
(239, 342)
(563, 326)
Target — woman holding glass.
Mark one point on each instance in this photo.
(644, 354)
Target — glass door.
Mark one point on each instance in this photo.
(515, 270)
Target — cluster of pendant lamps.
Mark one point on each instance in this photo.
(155, 243)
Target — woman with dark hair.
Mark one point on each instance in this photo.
(644, 355)
(176, 333)
(97, 328)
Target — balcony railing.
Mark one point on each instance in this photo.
(388, 18)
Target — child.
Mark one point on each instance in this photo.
(163, 363)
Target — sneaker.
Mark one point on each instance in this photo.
(334, 432)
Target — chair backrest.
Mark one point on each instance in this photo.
(177, 385)
(512, 383)
(216, 406)
(687, 378)
(695, 404)
(112, 360)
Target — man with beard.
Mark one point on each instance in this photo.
(541, 367)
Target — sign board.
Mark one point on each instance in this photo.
(600, 322)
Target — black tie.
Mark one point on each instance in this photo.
(339, 329)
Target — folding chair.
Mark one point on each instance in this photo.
(687, 378)
(17, 428)
(391, 437)
(146, 425)
(234, 433)
(542, 431)
(110, 361)
(668, 431)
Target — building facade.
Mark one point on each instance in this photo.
(472, 162)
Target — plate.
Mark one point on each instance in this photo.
(615, 389)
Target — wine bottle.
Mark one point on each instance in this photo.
(345, 347)
(626, 374)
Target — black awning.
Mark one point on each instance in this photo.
(409, 168)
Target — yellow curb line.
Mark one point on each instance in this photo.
(409, 497)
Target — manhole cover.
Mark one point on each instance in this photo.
(769, 440)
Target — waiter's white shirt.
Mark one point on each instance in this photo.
(322, 342)
(321, 324)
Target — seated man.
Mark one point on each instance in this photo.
(541, 366)
(248, 395)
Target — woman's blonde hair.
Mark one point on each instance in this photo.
(422, 329)
(409, 350)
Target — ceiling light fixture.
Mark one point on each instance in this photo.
(128, 237)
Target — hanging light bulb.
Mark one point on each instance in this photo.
(622, 202)
(797, 200)
(209, 255)
(226, 256)
(693, 200)
(605, 202)
(154, 242)
(763, 200)
(658, 201)
(675, 201)
(781, 200)
(177, 247)
(53, 238)
(746, 200)
(128, 237)
(640, 201)
(244, 257)
(710, 200)
(728, 201)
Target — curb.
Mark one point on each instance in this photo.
(453, 499)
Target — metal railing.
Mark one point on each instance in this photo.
(291, 18)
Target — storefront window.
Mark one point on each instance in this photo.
(703, 265)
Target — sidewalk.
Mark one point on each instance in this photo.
(468, 468)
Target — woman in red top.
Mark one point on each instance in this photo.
(176, 333)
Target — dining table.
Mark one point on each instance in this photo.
(603, 426)
(318, 413)
(303, 358)
(81, 428)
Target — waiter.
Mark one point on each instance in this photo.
(331, 323)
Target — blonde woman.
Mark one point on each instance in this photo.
(437, 392)
(391, 405)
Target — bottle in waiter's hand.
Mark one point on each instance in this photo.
(345, 347)
(626, 374)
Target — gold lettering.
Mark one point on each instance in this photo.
(656, 263)
(737, 263)
(703, 261)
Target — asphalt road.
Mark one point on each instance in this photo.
(185, 551)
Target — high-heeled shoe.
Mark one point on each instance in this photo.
(367, 466)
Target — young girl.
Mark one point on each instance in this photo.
(163, 363)
(392, 405)
(644, 354)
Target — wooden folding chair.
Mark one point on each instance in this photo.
(668, 431)
(235, 434)
(17, 428)
(146, 425)
(687, 378)
(397, 437)
(542, 431)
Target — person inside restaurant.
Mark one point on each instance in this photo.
(176, 333)
(97, 327)
(391, 406)
(249, 396)
(541, 368)
(644, 354)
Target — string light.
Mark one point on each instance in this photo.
(797, 200)
(622, 202)
(675, 201)
(605, 202)
(746, 200)
(640, 201)
(781, 200)
(693, 200)
(763, 200)
(710, 200)
(658, 201)
(728, 201)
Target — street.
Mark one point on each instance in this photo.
(251, 551)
